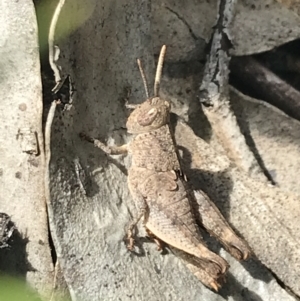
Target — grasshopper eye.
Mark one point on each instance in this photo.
(152, 112)
(148, 117)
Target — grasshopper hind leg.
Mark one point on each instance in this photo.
(199, 269)
(213, 221)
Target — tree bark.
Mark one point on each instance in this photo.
(22, 162)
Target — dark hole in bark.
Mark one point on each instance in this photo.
(272, 76)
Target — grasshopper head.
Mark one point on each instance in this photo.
(154, 112)
(151, 114)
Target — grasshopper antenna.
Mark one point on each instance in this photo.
(143, 77)
(159, 70)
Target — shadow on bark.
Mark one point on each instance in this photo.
(13, 259)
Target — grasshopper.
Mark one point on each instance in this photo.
(170, 208)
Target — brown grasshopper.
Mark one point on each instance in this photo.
(162, 195)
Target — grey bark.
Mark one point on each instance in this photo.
(258, 26)
(22, 162)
